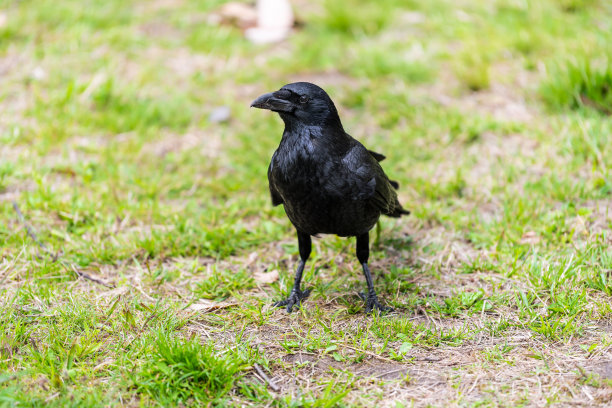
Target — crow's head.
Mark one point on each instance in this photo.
(300, 103)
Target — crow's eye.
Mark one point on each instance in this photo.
(303, 99)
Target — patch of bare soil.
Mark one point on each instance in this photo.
(604, 369)
(209, 144)
(14, 68)
(487, 161)
(504, 101)
(159, 30)
(494, 152)
(13, 192)
(499, 101)
(598, 221)
(529, 371)
(312, 364)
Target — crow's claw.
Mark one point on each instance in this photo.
(294, 299)
(373, 305)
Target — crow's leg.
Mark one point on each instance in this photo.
(363, 253)
(297, 295)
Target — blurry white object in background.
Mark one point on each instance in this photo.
(220, 114)
(38, 74)
(274, 21)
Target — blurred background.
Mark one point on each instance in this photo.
(138, 110)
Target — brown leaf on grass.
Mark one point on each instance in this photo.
(238, 14)
(251, 259)
(266, 277)
(530, 237)
(208, 305)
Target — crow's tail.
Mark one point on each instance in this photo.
(398, 211)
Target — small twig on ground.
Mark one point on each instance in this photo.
(86, 276)
(267, 379)
(423, 311)
(429, 359)
(473, 385)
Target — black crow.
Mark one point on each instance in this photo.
(328, 182)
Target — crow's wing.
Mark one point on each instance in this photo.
(367, 180)
(380, 157)
(274, 194)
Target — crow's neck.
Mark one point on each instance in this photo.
(331, 122)
(299, 133)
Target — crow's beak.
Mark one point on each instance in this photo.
(271, 102)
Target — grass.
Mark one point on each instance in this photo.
(162, 253)
(190, 373)
(581, 83)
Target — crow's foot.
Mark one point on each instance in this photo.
(294, 299)
(373, 305)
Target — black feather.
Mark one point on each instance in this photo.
(379, 157)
